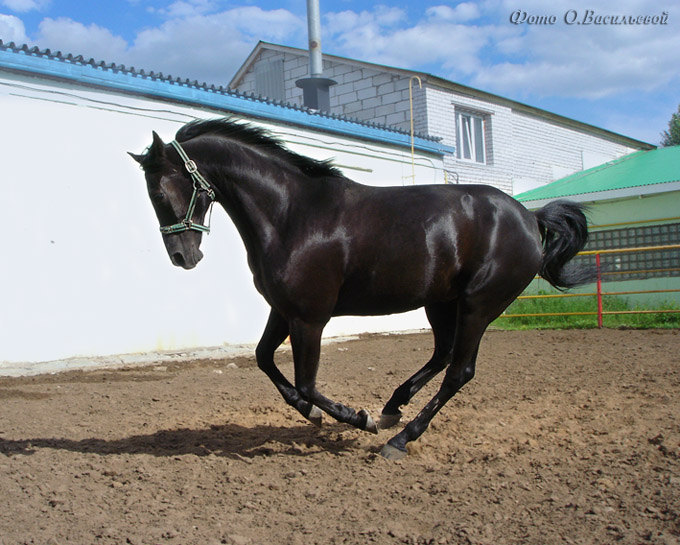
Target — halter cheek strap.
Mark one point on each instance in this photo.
(200, 184)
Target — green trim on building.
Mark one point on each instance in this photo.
(637, 170)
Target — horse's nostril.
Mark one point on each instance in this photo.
(177, 259)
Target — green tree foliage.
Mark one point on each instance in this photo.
(671, 137)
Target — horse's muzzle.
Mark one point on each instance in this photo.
(186, 261)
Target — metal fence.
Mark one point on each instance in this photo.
(613, 274)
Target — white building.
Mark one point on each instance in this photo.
(497, 141)
(84, 272)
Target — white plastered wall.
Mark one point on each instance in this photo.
(84, 271)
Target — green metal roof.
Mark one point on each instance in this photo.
(636, 170)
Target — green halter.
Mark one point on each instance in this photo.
(200, 184)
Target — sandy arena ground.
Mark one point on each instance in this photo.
(562, 437)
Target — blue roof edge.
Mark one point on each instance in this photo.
(120, 78)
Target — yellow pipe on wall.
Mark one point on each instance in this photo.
(413, 135)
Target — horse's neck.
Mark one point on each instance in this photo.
(260, 206)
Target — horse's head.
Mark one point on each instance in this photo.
(180, 197)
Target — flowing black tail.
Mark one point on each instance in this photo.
(564, 230)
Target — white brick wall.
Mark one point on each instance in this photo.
(523, 150)
(369, 95)
(543, 149)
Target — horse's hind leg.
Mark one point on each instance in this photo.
(469, 331)
(306, 341)
(274, 334)
(442, 318)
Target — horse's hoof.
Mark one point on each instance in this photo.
(315, 416)
(389, 420)
(392, 453)
(370, 423)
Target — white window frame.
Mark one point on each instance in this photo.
(471, 140)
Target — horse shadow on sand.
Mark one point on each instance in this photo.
(229, 440)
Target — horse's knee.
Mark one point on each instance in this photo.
(263, 356)
(263, 365)
(306, 391)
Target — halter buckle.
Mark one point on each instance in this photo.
(191, 166)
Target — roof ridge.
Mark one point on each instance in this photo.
(35, 51)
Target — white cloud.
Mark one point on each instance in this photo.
(586, 61)
(12, 29)
(438, 38)
(388, 17)
(189, 8)
(73, 37)
(465, 11)
(23, 6)
(211, 47)
(476, 44)
(470, 42)
(190, 44)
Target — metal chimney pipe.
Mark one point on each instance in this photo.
(315, 88)
(314, 31)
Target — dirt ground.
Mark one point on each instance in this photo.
(562, 437)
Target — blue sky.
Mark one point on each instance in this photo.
(622, 77)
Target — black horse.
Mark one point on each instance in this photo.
(320, 245)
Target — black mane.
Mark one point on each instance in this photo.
(256, 137)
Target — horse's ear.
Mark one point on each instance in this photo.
(157, 149)
(154, 152)
(138, 158)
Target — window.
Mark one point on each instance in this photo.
(471, 145)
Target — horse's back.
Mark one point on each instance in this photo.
(421, 244)
(462, 214)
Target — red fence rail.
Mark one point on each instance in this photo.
(599, 294)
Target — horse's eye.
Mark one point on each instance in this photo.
(157, 195)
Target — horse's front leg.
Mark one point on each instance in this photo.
(306, 342)
(274, 334)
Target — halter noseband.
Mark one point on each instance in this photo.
(200, 184)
